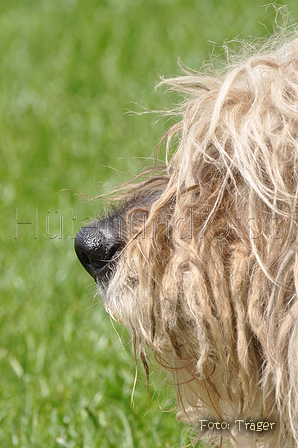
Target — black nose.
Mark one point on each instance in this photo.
(97, 246)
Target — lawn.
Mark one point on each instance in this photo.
(71, 70)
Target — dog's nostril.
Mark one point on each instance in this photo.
(92, 262)
(84, 259)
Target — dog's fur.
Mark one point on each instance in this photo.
(208, 276)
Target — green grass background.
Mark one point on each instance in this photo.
(69, 71)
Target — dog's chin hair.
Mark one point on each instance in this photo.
(119, 298)
(102, 289)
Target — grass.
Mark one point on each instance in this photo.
(70, 69)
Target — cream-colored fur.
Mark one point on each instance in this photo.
(209, 283)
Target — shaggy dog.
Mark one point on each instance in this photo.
(200, 259)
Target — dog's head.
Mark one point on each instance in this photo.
(200, 262)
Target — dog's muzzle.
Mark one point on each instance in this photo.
(97, 247)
